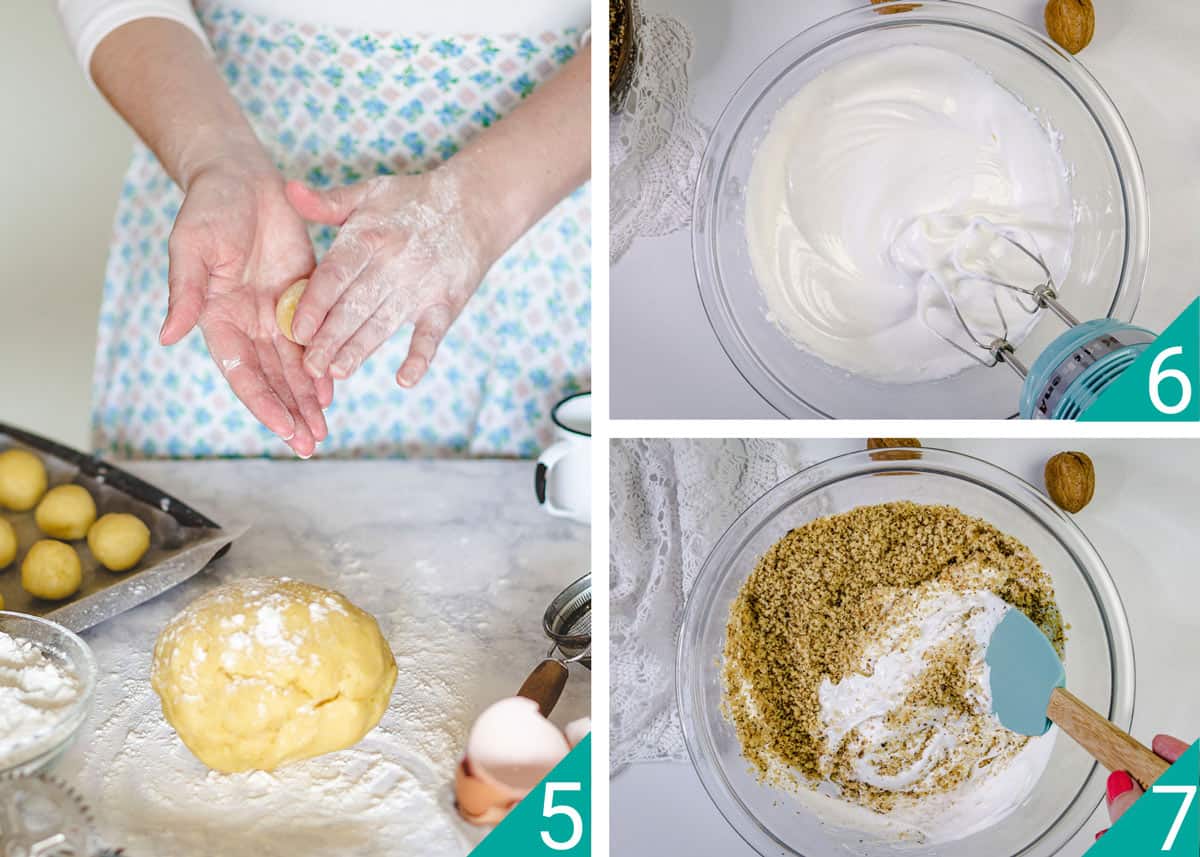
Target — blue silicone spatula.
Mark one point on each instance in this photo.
(1029, 695)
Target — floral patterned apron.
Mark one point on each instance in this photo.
(335, 107)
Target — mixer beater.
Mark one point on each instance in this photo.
(1075, 368)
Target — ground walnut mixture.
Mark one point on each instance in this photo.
(817, 600)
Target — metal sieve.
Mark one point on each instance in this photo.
(568, 621)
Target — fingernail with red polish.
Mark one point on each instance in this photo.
(1119, 782)
(1101, 833)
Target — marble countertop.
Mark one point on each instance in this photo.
(1143, 54)
(1141, 521)
(457, 562)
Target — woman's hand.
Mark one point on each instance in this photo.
(414, 248)
(1123, 792)
(236, 246)
(411, 249)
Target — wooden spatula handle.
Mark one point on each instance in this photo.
(1112, 748)
(545, 685)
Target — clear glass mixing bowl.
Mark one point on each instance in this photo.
(1099, 651)
(1108, 261)
(69, 651)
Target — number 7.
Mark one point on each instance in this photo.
(1189, 793)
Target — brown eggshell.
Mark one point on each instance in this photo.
(480, 801)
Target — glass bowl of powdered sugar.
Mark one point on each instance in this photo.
(47, 676)
(919, 551)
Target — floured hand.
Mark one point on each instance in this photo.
(236, 246)
(411, 249)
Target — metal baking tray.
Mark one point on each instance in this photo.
(182, 541)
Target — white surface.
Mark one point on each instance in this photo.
(1142, 522)
(666, 361)
(457, 563)
(63, 153)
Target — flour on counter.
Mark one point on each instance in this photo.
(388, 794)
(35, 693)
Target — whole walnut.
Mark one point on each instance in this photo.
(1071, 23)
(1070, 480)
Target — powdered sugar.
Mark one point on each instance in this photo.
(36, 691)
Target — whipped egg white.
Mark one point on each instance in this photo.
(861, 202)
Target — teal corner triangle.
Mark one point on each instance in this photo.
(536, 822)
(1128, 398)
(1145, 827)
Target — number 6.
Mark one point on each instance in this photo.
(1158, 375)
(549, 810)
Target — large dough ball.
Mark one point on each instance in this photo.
(119, 541)
(66, 512)
(22, 480)
(51, 570)
(8, 543)
(266, 671)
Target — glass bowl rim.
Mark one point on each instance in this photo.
(83, 660)
(853, 465)
(730, 124)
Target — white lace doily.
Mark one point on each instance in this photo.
(670, 501)
(655, 142)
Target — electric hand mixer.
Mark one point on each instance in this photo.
(1069, 375)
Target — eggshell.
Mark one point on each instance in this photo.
(577, 730)
(510, 750)
(479, 801)
(512, 744)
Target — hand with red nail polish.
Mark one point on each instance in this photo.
(1123, 792)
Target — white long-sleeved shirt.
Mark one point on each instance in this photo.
(87, 22)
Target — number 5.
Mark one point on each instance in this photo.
(1189, 793)
(549, 810)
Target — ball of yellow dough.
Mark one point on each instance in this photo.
(285, 307)
(8, 543)
(22, 480)
(51, 570)
(119, 541)
(66, 512)
(266, 671)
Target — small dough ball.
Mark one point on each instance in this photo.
(22, 480)
(66, 512)
(285, 308)
(8, 543)
(265, 671)
(119, 541)
(51, 570)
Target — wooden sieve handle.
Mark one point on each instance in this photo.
(545, 685)
(1108, 745)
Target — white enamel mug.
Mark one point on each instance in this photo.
(563, 481)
